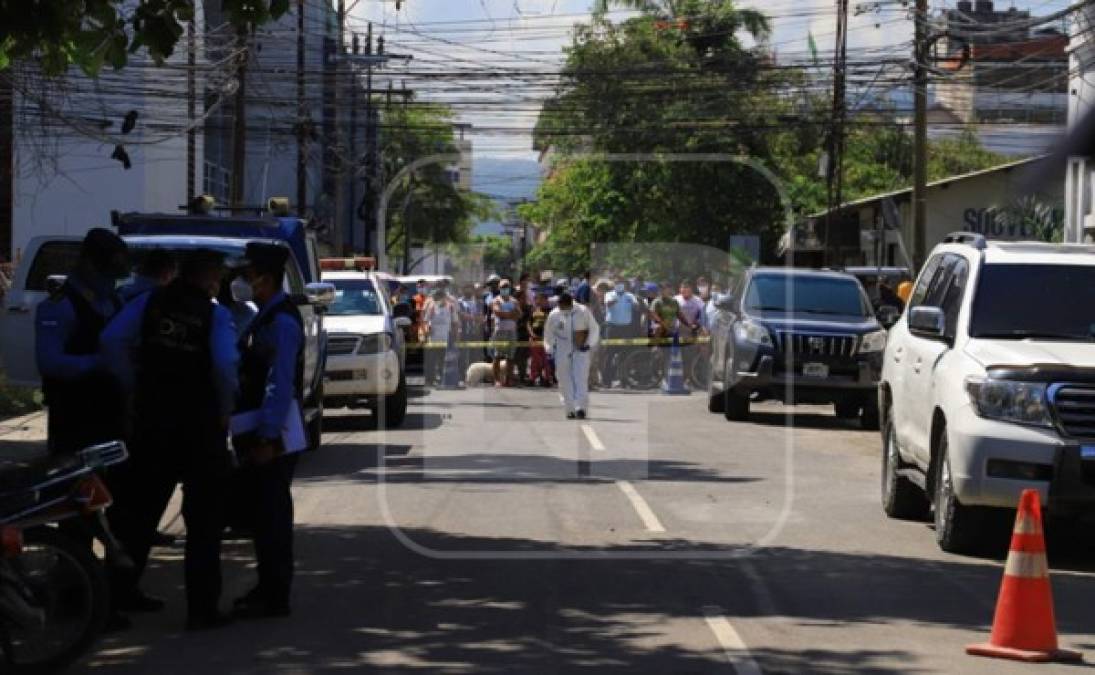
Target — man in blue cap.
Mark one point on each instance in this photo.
(174, 349)
(271, 384)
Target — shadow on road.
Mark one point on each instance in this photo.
(365, 421)
(365, 602)
(523, 468)
(809, 420)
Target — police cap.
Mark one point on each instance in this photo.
(100, 245)
(266, 258)
(199, 261)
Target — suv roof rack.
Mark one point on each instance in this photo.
(972, 238)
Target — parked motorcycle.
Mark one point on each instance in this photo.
(54, 599)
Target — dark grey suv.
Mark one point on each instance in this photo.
(797, 336)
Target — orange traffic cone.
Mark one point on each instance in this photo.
(1024, 628)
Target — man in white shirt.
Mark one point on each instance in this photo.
(569, 335)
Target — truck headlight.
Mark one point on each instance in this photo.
(1020, 402)
(378, 343)
(751, 331)
(872, 342)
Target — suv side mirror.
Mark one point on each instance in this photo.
(927, 322)
(319, 293)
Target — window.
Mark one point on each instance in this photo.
(55, 257)
(924, 281)
(807, 294)
(956, 290)
(356, 297)
(1017, 301)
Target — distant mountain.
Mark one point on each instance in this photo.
(504, 179)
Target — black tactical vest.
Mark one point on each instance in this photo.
(257, 358)
(175, 385)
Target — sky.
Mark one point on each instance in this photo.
(456, 41)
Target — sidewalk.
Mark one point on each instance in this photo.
(23, 437)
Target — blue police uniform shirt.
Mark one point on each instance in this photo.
(139, 286)
(54, 322)
(284, 338)
(243, 313)
(122, 335)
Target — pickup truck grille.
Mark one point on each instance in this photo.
(342, 345)
(804, 344)
(1074, 407)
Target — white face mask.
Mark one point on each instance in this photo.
(619, 288)
(241, 290)
(702, 290)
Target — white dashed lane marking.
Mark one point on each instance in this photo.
(646, 514)
(591, 436)
(732, 645)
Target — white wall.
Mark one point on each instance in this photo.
(1080, 181)
(65, 181)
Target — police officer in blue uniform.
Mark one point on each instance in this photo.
(271, 382)
(175, 350)
(83, 398)
(156, 269)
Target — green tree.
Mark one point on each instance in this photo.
(91, 33)
(426, 203)
(675, 79)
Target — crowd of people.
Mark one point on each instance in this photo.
(176, 374)
(508, 323)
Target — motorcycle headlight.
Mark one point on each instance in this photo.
(872, 342)
(1020, 402)
(750, 331)
(375, 344)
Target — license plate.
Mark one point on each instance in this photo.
(815, 370)
(1087, 452)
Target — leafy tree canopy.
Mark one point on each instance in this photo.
(679, 78)
(91, 33)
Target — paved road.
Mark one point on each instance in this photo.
(492, 535)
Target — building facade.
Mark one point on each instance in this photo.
(1080, 171)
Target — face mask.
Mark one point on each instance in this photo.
(702, 290)
(505, 291)
(619, 288)
(422, 290)
(241, 290)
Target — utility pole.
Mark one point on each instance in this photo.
(352, 153)
(239, 123)
(920, 132)
(834, 178)
(7, 169)
(191, 110)
(367, 209)
(367, 212)
(344, 237)
(302, 115)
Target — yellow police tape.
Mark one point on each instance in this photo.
(610, 342)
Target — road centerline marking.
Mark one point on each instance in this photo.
(591, 436)
(646, 514)
(732, 645)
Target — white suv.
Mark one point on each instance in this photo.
(365, 348)
(988, 386)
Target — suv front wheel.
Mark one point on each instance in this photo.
(957, 527)
(901, 498)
